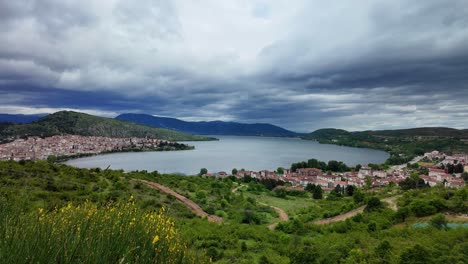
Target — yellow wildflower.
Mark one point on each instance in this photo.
(155, 239)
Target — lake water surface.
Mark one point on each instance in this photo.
(251, 153)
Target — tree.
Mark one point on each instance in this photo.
(383, 251)
(465, 176)
(313, 163)
(234, 171)
(350, 190)
(51, 159)
(355, 256)
(280, 170)
(338, 189)
(415, 255)
(310, 187)
(458, 168)
(280, 192)
(306, 255)
(203, 171)
(318, 192)
(369, 181)
(402, 214)
(373, 203)
(439, 221)
(358, 197)
(264, 260)
(372, 226)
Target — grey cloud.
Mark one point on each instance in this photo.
(305, 65)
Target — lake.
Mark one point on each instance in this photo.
(251, 153)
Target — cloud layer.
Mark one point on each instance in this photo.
(302, 65)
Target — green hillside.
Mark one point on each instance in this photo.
(402, 144)
(53, 213)
(74, 123)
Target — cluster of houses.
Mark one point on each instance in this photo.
(304, 176)
(437, 176)
(36, 148)
(365, 176)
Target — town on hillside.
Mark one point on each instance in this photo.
(441, 170)
(36, 148)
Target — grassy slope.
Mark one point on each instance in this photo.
(32, 185)
(68, 122)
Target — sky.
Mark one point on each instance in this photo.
(302, 65)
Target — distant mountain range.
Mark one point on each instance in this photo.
(20, 119)
(74, 123)
(209, 128)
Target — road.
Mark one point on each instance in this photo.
(400, 167)
(195, 208)
(283, 216)
(391, 204)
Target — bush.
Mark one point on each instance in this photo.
(439, 221)
(373, 203)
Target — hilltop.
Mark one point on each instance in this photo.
(210, 127)
(402, 144)
(74, 123)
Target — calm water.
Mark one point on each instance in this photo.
(252, 153)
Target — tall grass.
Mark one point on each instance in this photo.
(116, 233)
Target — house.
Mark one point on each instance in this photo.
(364, 171)
(436, 172)
(434, 155)
(309, 172)
(379, 174)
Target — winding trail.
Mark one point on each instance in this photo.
(283, 216)
(237, 188)
(340, 217)
(390, 200)
(195, 208)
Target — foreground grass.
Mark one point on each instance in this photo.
(116, 233)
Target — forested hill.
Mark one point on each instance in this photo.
(421, 132)
(74, 123)
(209, 128)
(403, 144)
(19, 118)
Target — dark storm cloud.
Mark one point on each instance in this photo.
(305, 65)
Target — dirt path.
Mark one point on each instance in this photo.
(237, 188)
(392, 202)
(283, 216)
(340, 217)
(187, 202)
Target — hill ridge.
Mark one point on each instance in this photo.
(216, 127)
(75, 123)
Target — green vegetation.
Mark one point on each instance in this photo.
(73, 123)
(86, 233)
(332, 165)
(402, 144)
(37, 197)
